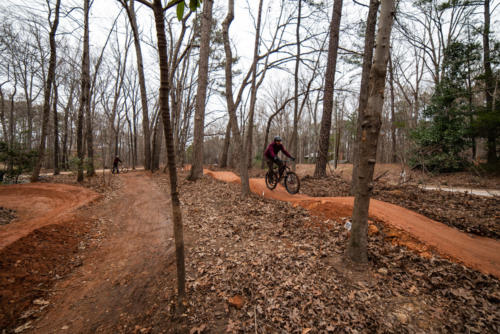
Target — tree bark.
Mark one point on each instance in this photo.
(296, 87)
(225, 147)
(253, 88)
(56, 130)
(370, 130)
(489, 84)
(394, 158)
(2, 117)
(371, 24)
(201, 95)
(174, 194)
(142, 84)
(326, 119)
(231, 106)
(47, 93)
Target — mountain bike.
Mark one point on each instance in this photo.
(291, 180)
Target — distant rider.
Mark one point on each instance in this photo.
(271, 154)
(115, 165)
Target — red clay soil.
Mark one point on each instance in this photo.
(38, 205)
(479, 253)
(118, 278)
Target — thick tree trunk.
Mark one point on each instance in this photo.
(201, 95)
(56, 131)
(370, 130)
(47, 93)
(253, 88)
(225, 147)
(326, 119)
(489, 84)
(242, 158)
(371, 24)
(174, 194)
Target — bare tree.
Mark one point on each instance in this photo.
(370, 130)
(201, 95)
(326, 119)
(47, 89)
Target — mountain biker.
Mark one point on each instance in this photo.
(115, 165)
(271, 154)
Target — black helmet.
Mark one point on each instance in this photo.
(277, 138)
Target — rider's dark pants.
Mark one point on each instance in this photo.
(115, 167)
(271, 162)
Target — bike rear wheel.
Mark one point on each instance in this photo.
(292, 183)
(271, 180)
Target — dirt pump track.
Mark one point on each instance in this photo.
(482, 254)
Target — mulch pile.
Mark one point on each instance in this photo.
(257, 265)
(6, 216)
(469, 213)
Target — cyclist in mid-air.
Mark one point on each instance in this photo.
(271, 154)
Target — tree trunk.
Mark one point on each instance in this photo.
(89, 133)
(231, 108)
(2, 117)
(371, 24)
(370, 130)
(47, 93)
(142, 85)
(326, 119)
(225, 147)
(174, 194)
(201, 95)
(56, 131)
(489, 84)
(296, 87)
(253, 88)
(157, 141)
(84, 91)
(393, 117)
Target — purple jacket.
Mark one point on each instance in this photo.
(273, 149)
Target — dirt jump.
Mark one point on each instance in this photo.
(38, 205)
(479, 253)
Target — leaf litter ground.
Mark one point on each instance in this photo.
(262, 264)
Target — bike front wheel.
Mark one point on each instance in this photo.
(271, 180)
(292, 183)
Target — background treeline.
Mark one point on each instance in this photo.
(441, 111)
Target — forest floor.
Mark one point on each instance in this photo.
(253, 264)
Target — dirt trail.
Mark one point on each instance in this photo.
(118, 279)
(479, 253)
(40, 204)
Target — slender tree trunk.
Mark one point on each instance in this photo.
(242, 158)
(89, 134)
(326, 119)
(489, 84)
(370, 130)
(47, 92)
(142, 84)
(371, 24)
(12, 124)
(65, 163)
(56, 131)
(84, 91)
(201, 95)
(296, 87)
(393, 117)
(2, 116)
(225, 147)
(253, 88)
(174, 193)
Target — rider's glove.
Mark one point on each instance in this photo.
(276, 158)
(293, 159)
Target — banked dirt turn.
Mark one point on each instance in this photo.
(479, 253)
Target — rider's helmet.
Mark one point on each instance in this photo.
(277, 138)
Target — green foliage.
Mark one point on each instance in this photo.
(193, 5)
(16, 160)
(443, 138)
